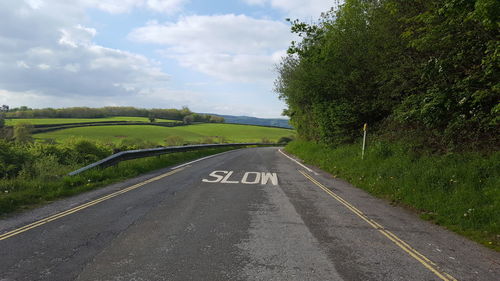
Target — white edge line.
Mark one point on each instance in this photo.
(203, 158)
(302, 165)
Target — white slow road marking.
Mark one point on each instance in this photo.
(302, 165)
(223, 177)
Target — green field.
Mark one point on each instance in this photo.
(44, 121)
(191, 133)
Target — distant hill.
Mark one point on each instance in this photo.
(275, 122)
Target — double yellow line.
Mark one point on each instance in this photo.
(391, 236)
(83, 206)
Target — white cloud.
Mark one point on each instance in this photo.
(302, 9)
(231, 47)
(77, 36)
(49, 58)
(220, 33)
(165, 6)
(72, 67)
(44, 66)
(22, 64)
(153, 99)
(124, 6)
(47, 52)
(35, 4)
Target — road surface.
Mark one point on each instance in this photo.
(249, 214)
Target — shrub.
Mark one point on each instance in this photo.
(152, 117)
(22, 132)
(45, 168)
(86, 151)
(285, 140)
(188, 119)
(12, 158)
(265, 140)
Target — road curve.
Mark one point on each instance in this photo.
(248, 214)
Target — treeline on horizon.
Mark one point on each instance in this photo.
(426, 71)
(183, 114)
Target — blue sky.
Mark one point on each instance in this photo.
(212, 56)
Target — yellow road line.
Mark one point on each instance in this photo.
(391, 236)
(83, 206)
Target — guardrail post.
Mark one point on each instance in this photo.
(364, 142)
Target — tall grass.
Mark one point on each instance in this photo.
(458, 191)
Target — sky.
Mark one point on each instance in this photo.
(210, 55)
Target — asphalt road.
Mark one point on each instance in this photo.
(249, 214)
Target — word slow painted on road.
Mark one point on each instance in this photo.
(248, 178)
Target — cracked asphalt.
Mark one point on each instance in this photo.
(264, 221)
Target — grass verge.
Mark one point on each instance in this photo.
(458, 191)
(18, 194)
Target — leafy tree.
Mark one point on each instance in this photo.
(109, 111)
(22, 132)
(329, 80)
(456, 54)
(189, 119)
(3, 109)
(12, 159)
(151, 118)
(215, 119)
(430, 66)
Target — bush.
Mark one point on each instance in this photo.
(266, 140)
(188, 119)
(285, 140)
(22, 132)
(12, 158)
(45, 168)
(84, 151)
